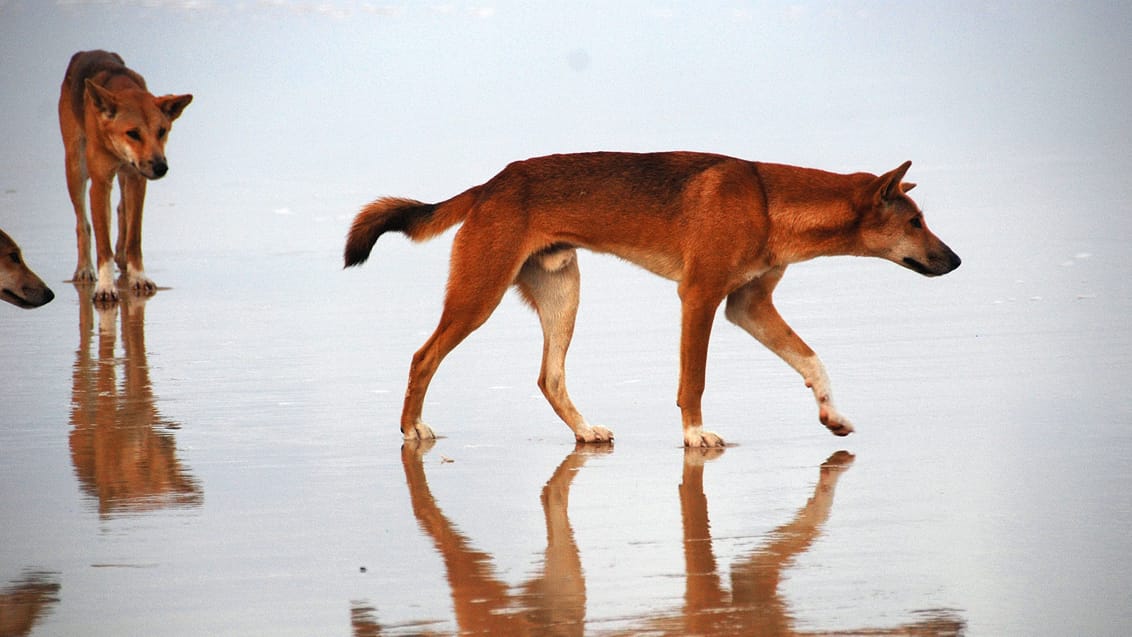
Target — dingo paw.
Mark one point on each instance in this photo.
(837, 424)
(140, 284)
(698, 437)
(419, 431)
(588, 433)
(84, 274)
(105, 295)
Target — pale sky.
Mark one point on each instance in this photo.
(821, 83)
(426, 99)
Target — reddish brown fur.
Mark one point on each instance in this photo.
(722, 228)
(18, 284)
(112, 126)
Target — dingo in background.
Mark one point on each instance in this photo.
(18, 284)
(112, 126)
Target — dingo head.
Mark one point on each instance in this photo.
(892, 227)
(136, 124)
(18, 284)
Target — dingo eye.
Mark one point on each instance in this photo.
(161, 133)
(134, 134)
(15, 257)
(917, 223)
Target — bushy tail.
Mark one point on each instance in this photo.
(419, 221)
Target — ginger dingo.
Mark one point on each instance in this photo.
(722, 228)
(18, 284)
(111, 126)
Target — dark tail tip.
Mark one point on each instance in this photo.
(367, 227)
(358, 247)
(389, 214)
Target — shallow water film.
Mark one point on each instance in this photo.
(223, 458)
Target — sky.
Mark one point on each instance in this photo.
(817, 83)
(316, 107)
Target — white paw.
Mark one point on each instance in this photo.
(837, 424)
(419, 431)
(139, 283)
(105, 294)
(698, 437)
(588, 433)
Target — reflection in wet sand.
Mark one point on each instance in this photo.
(554, 602)
(551, 603)
(754, 606)
(363, 620)
(26, 601)
(121, 448)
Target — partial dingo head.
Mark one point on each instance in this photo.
(893, 227)
(136, 124)
(18, 284)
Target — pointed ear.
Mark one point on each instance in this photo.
(173, 105)
(907, 185)
(887, 186)
(101, 99)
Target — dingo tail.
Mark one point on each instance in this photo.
(419, 221)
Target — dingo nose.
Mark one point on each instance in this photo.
(159, 168)
(953, 260)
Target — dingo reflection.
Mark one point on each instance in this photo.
(120, 447)
(554, 601)
(753, 606)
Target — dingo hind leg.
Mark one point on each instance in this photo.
(751, 308)
(479, 275)
(549, 282)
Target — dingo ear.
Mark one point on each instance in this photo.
(173, 105)
(907, 185)
(888, 186)
(102, 99)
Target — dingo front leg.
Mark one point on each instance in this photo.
(750, 307)
(816, 379)
(129, 252)
(105, 291)
(697, 315)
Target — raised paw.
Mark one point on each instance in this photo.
(419, 431)
(698, 437)
(593, 433)
(837, 424)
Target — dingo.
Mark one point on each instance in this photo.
(111, 126)
(18, 284)
(722, 228)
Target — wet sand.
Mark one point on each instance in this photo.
(223, 458)
(226, 460)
